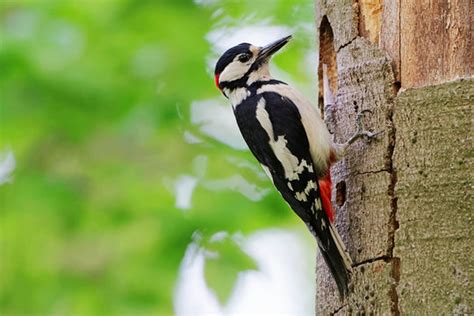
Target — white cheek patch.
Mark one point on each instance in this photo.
(234, 71)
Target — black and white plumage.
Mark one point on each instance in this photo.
(291, 142)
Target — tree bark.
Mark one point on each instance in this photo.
(403, 201)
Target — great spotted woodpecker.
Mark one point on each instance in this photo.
(290, 140)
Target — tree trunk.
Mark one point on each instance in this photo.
(403, 201)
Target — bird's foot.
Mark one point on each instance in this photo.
(361, 132)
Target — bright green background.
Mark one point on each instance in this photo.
(95, 98)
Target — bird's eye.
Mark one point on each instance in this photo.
(244, 58)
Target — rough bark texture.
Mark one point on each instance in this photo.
(434, 189)
(403, 201)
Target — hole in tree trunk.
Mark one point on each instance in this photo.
(396, 87)
(340, 193)
(327, 56)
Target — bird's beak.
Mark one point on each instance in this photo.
(267, 51)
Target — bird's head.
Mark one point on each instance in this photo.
(245, 63)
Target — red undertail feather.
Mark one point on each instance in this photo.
(325, 186)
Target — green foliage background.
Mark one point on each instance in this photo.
(94, 102)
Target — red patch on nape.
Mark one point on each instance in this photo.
(325, 186)
(216, 80)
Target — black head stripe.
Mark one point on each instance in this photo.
(229, 56)
(231, 85)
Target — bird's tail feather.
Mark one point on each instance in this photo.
(338, 260)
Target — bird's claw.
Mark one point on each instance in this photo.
(360, 132)
(371, 135)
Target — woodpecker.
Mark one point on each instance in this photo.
(291, 141)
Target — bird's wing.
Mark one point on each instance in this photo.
(275, 135)
(320, 141)
(271, 125)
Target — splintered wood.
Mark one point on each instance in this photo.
(436, 41)
(370, 19)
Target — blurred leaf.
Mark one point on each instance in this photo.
(224, 261)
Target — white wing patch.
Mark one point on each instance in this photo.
(311, 185)
(317, 204)
(303, 165)
(301, 196)
(292, 166)
(318, 135)
(289, 161)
